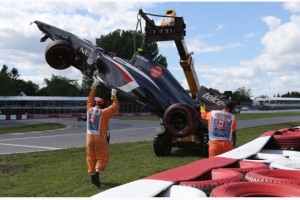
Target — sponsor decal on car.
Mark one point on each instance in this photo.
(156, 71)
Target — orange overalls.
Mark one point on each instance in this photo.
(97, 147)
(221, 124)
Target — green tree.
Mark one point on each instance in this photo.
(122, 42)
(14, 74)
(293, 94)
(101, 90)
(4, 70)
(8, 86)
(28, 87)
(242, 95)
(60, 86)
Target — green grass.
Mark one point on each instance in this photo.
(261, 115)
(63, 173)
(30, 128)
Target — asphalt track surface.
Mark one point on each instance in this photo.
(74, 134)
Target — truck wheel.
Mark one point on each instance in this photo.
(60, 54)
(162, 144)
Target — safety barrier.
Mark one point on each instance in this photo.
(13, 117)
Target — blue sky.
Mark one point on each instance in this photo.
(254, 45)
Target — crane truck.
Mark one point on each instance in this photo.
(172, 28)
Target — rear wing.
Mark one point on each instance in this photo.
(213, 99)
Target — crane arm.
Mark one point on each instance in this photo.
(173, 28)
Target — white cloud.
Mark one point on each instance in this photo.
(282, 46)
(219, 27)
(292, 6)
(275, 70)
(20, 46)
(272, 22)
(197, 45)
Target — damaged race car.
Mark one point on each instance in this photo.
(143, 81)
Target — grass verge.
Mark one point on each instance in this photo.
(63, 173)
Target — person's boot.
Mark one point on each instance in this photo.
(96, 179)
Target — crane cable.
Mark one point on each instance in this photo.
(138, 25)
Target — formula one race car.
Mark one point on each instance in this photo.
(142, 80)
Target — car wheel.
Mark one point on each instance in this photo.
(181, 120)
(60, 54)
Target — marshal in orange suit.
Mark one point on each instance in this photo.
(221, 124)
(97, 147)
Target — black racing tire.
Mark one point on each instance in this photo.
(181, 120)
(218, 177)
(162, 144)
(274, 176)
(60, 54)
(246, 166)
(255, 189)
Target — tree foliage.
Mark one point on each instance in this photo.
(242, 95)
(60, 86)
(101, 90)
(292, 94)
(122, 43)
(12, 85)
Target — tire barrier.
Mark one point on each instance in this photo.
(266, 158)
(291, 133)
(247, 166)
(256, 189)
(177, 191)
(288, 165)
(289, 141)
(295, 157)
(285, 153)
(215, 178)
(274, 176)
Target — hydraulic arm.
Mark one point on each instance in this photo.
(173, 28)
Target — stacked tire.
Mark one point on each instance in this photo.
(263, 183)
(221, 176)
(287, 138)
